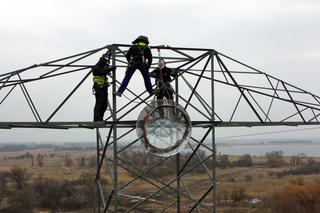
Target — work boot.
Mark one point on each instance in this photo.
(152, 92)
(117, 93)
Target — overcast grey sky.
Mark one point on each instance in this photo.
(279, 37)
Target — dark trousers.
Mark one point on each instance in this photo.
(165, 90)
(130, 70)
(101, 94)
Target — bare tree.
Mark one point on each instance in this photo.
(238, 194)
(93, 162)
(52, 195)
(19, 175)
(40, 160)
(82, 162)
(275, 159)
(297, 160)
(68, 161)
(245, 161)
(3, 182)
(21, 201)
(223, 161)
(32, 160)
(87, 180)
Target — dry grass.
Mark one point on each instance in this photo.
(260, 185)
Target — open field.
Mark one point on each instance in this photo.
(77, 169)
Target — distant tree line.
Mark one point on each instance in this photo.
(39, 159)
(12, 147)
(55, 147)
(198, 162)
(244, 160)
(142, 160)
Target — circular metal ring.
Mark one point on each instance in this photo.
(164, 128)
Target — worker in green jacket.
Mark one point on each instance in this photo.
(100, 86)
(139, 57)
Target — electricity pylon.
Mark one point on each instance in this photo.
(215, 90)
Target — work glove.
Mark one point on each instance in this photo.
(106, 55)
(113, 68)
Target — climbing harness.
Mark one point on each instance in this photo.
(162, 88)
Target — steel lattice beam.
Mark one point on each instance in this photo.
(202, 75)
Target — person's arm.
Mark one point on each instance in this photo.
(173, 72)
(103, 71)
(153, 74)
(149, 56)
(129, 53)
(107, 69)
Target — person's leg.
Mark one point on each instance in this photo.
(105, 100)
(160, 101)
(160, 94)
(169, 96)
(100, 106)
(127, 77)
(145, 74)
(167, 91)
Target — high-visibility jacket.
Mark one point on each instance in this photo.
(100, 80)
(100, 70)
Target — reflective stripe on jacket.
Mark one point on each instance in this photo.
(142, 44)
(100, 80)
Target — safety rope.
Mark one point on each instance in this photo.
(165, 87)
(157, 90)
(131, 100)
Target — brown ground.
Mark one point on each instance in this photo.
(255, 180)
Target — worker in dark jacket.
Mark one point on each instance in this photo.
(163, 75)
(139, 57)
(100, 87)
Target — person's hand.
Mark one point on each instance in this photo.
(106, 55)
(113, 68)
(174, 72)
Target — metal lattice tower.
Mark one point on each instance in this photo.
(215, 90)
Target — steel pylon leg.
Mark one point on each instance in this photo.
(214, 189)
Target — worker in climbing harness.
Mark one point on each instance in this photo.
(139, 57)
(100, 85)
(163, 75)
